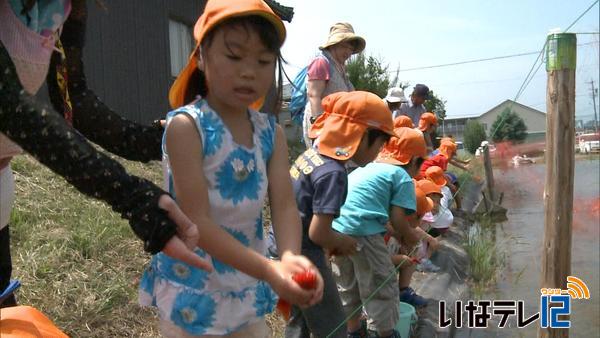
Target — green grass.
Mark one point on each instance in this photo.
(486, 257)
(78, 261)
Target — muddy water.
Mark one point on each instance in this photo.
(522, 237)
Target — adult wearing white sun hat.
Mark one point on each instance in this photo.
(394, 98)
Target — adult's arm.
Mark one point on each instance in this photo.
(91, 116)
(314, 90)
(44, 134)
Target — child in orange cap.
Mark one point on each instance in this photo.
(443, 218)
(380, 192)
(222, 159)
(444, 154)
(428, 124)
(403, 121)
(354, 126)
(403, 258)
(455, 161)
(432, 220)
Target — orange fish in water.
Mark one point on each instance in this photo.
(308, 281)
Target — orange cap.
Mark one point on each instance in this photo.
(27, 322)
(215, 12)
(403, 121)
(436, 175)
(429, 187)
(400, 150)
(426, 120)
(447, 147)
(346, 116)
(424, 203)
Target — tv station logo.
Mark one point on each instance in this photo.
(554, 304)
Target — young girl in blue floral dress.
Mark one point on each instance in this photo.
(223, 158)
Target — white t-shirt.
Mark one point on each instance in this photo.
(443, 219)
(447, 198)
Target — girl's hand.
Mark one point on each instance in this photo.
(181, 245)
(280, 278)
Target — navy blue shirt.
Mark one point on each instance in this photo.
(320, 185)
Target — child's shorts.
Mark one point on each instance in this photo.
(359, 275)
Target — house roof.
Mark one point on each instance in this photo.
(461, 117)
(505, 102)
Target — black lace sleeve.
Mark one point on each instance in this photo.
(44, 134)
(91, 116)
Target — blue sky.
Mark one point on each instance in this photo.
(409, 34)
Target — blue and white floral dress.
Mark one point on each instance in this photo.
(223, 301)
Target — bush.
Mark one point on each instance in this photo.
(368, 74)
(473, 136)
(509, 126)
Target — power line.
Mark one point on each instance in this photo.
(566, 30)
(476, 60)
(580, 16)
(467, 83)
(463, 62)
(531, 77)
(527, 79)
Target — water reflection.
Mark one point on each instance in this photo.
(522, 236)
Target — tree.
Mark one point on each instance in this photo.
(436, 105)
(396, 81)
(509, 126)
(369, 74)
(473, 135)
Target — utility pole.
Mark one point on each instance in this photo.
(594, 92)
(561, 54)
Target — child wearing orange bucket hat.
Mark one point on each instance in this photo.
(380, 192)
(354, 126)
(443, 155)
(428, 124)
(222, 158)
(436, 219)
(437, 176)
(403, 121)
(27, 322)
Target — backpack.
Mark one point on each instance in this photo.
(299, 96)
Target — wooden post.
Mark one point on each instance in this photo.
(489, 173)
(560, 162)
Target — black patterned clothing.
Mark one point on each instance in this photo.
(91, 117)
(44, 134)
